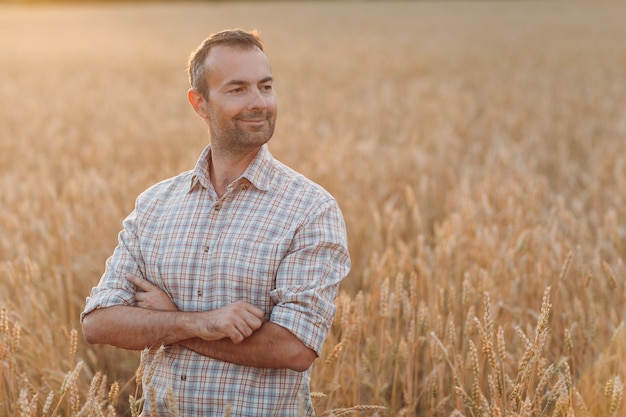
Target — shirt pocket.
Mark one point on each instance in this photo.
(246, 269)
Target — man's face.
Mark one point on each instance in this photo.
(241, 105)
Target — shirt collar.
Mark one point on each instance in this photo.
(258, 172)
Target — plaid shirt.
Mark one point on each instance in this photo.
(274, 239)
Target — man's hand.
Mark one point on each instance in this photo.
(236, 321)
(150, 296)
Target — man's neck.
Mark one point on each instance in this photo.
(226, 167)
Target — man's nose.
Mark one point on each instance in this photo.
(257, 100)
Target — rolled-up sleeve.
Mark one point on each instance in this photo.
(308, 278)
(113, 288)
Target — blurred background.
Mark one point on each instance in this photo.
(477, 149)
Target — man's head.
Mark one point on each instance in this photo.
(232, 90)
(236, 38)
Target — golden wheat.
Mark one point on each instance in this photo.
(476, 149)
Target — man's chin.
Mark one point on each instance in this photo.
(252, 141)
(260, 137)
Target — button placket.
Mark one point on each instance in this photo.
(214, 223)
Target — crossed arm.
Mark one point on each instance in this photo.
(235, 333)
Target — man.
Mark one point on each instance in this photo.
(233, 266)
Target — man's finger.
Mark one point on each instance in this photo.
(235, 335)
(253, 322)
(254, 310)
(141, 283)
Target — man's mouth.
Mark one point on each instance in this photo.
(256, 119)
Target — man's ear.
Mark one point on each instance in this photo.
(198, 102)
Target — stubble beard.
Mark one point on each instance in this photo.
(236, 138)
(257, 137)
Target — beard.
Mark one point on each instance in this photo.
(235, 134)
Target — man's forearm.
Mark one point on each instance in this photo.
(234, 333)
(135, 328)
(271, 346)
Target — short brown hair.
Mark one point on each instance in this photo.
(232, 37)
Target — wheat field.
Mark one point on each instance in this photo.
(477, 149)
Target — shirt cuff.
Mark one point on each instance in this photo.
(103, 298)
(311, 328)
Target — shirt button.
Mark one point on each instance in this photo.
(199, 292)
(183, 377)
(206, 249)
(217, 207)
